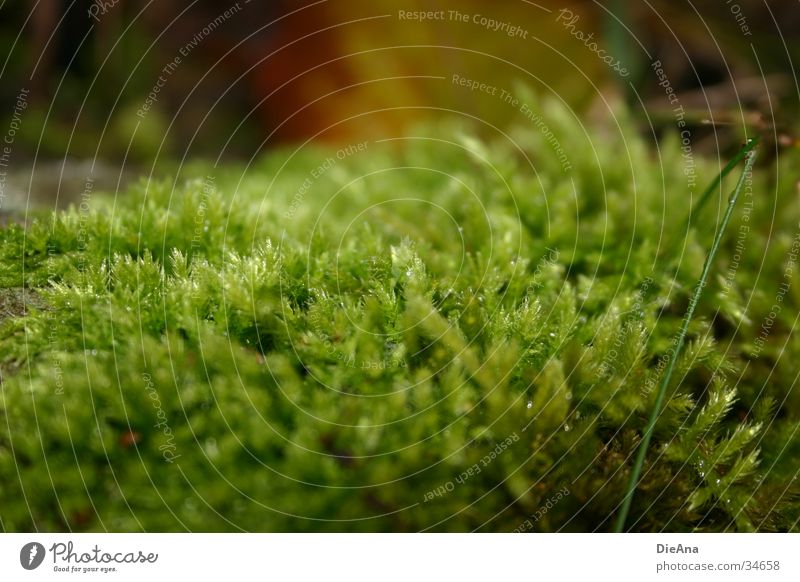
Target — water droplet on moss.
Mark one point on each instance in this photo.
(530, 404)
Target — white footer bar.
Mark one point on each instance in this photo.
(400, 557)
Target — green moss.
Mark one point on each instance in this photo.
(440, 335)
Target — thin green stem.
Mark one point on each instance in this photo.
(749, 151)
(706, 195)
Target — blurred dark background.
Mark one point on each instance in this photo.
(255, 74)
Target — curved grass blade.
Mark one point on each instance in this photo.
(749, 152)
(748, 146)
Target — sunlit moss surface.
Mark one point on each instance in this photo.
(440, 332)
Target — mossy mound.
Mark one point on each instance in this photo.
(438, 333)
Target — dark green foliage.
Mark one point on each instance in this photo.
(439, 335)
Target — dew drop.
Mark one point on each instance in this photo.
(530, 404)
(211, 447)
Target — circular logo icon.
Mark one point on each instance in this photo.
(31, 555)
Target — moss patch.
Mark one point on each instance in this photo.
(446, 334)
(14, 302)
